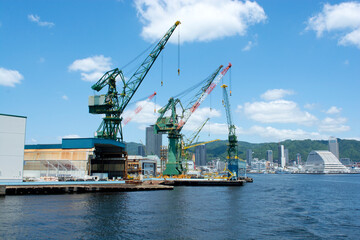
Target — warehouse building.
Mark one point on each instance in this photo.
(76, 157)
(12, 140)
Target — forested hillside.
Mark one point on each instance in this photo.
(348, 148)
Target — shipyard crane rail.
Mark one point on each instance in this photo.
(113, 104)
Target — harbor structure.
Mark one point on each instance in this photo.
(334, 146)
(324, 162)
(153, 141)
(12, 140)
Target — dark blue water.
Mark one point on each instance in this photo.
(273, 207)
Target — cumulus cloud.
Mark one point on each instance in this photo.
(310, 106)
(275, 134)
(278, 111)
(248, 46)
(202, 20)
(334, 125)
(342, 18)
(274, 94)
(333, 110)
(91, 68)
(36, 19)
(9, 77)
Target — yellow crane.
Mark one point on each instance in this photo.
(198, 144)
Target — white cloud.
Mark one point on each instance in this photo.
(202, 20)
(91, 68)
(9, 77)
(278, 111)
(310, 106)
(333, 110)
(343, 18)
(248, 46)
(36, 19)
(65, 97)
(275, 134)
(239, 108)
(145, 117)
(346, 62)
(33, 140)
(333, 125)
(274, 94)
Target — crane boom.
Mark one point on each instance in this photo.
(196, 133)
(198, 144)
(134, 82)
(203, 94)
(113, 104)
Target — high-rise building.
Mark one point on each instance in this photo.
(200, 155)
(249, 157)
(141, 150)
(334, 146)
(281, 156)
(286, 153)
(153, 141)
(269, 156)
(298, 159)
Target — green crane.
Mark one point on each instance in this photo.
(195, 134)
(232, 151)
(173, 124)
(113, 103)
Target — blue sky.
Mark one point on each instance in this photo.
(295, 71)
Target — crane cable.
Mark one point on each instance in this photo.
(179, 51)
(162, 68)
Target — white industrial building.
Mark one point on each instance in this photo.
(324, 162)
(12, 141)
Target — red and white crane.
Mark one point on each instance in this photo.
(189, 111)
(138, 109)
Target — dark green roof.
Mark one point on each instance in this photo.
(9, 115)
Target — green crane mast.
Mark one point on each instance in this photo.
(232, 151)
(174, 123)
(113, 103)
(195, 134)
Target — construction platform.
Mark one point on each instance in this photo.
(203, 182)
(78, 187)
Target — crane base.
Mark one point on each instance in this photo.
(171, 169)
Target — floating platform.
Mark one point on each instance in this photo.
(203, 182)
(76, 187)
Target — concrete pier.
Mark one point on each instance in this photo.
(2, 190)
(203, 182)
(68, 188)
